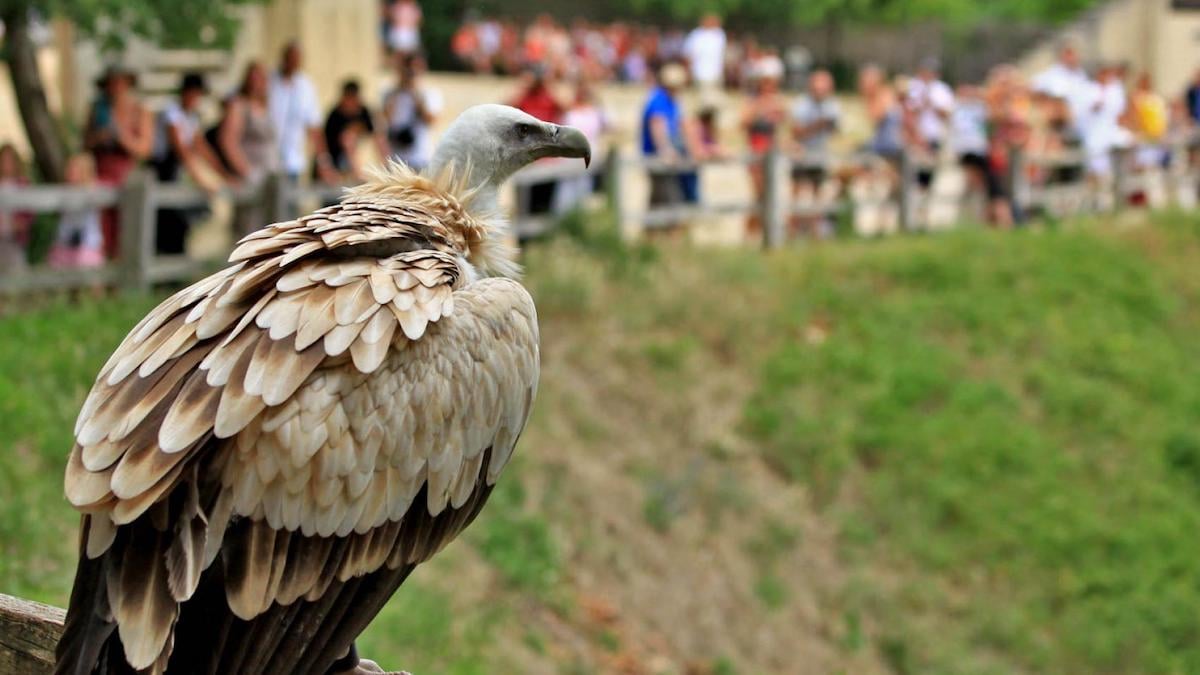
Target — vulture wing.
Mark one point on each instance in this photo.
(272, 450)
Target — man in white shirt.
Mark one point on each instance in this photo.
(931, 101)
(296, 114)
(705, 53)
(1068, 83)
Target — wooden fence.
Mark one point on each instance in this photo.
(29, 632)
(139, 267)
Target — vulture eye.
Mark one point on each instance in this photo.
(524, 130)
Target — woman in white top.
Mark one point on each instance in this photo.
(410, 111)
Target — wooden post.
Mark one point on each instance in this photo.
(775, 201)
(29, 632)
(1018, 185)
(276, 197)
(137, 212)
(614, 176)
(1120, 182)
(908, 187)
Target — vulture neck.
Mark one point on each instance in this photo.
(456, 154)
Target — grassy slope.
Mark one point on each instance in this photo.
(969, 453)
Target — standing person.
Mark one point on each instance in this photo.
(410, 111)
(119, 134)
(404, 26)
(179, 143)
(246, 142)
(585, 114)
(764, 112)
(348, 123)
(1192, 98)
(246, 135)
(704, 50)
(884, 113)
(816, 117)
(14, 226)
(1100, 122)
(79, 241)
(662, 135)
(538, 100)
(969, 134)
(930, 101)
(1149, 121)
(296, 116)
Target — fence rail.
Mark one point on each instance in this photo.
(279, 199)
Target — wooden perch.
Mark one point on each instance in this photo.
(28, 634)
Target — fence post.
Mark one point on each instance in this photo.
(908, 186)
(1018, 186)
(775, 201)
(275, 199)
(1120, 178)
(614, 190)
(135, 203)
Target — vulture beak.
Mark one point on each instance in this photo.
(569, 142)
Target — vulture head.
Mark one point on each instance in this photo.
(493, 141)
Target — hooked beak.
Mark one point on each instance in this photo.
(569, 142)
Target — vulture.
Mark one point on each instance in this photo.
(271, 451)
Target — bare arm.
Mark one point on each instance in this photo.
(662, 137)
(189, 158)
(229, 138)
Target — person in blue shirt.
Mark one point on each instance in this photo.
(662, 138)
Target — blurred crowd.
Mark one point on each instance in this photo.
(272, 124)
(616, 51)
(1082, 117)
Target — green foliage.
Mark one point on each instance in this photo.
(171, 23)
(1013, 415)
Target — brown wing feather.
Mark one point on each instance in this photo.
(272, 419)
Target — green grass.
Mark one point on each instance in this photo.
(1000, 429)
(1007, 425)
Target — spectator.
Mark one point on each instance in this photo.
(119, 134)
(705, 54)
(246, 143)
(14, 226)
(764, 112)
(346, 125)
(536, 99)
(179, 143)
(404, 26)
(704, 143)
(662, 134)
(1149, 121)
(884, 113)
(585, 114)
(816, 117)
(246, 137)
(1192, 97)
(1064, 90)
(930, 101)
(969, 129)
(1100, 121)
(410, 111)
(79, 241)
(296, 117)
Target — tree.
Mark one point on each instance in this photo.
(172, 23)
